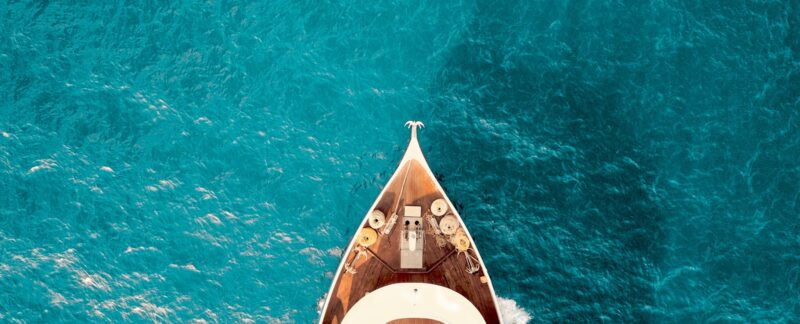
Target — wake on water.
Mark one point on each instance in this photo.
(511, 312)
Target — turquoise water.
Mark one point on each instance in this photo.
(616, 161)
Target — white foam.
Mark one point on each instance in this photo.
(335, 251)
(286, 238)
(151, 311)
(188, 267)
(207, 194)
(56, 299)
(511, 312)
(209, 218)
(167, 184)
(321, 303)
(228, 215)
(203, 120)
(93, 281)
(314, 255)
(131, 249)
(45, 164)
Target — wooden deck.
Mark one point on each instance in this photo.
(441, 265)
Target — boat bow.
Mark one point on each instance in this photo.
(415, 253)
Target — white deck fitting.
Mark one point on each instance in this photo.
(412, 242)
(413, 300)
(413, 211)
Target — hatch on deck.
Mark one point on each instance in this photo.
(412, 239)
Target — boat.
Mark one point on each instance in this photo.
(412, 259)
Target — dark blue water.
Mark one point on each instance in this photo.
(616, 161)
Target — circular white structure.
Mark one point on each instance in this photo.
(413, 300)
(449, 225)
(439, 207)
(377, 219)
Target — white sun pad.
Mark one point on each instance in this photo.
(413, 300)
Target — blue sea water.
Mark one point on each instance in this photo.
(616, 161)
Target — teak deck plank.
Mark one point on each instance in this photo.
(420, 190)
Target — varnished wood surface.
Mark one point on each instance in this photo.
(449, 271)
(414, 321)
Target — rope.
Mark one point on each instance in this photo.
(390, 225)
